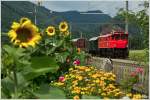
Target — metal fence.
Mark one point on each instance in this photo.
(122, 70)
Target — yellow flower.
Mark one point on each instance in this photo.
(137, 96)
(97, 81)
(50, 31)
(94, 75)
(129, 94)
(103, 78)
(75, 82)
(76, 90)
(24, 34)
(66, 33)
(79, 77)
(106, 98)
(103, 94)
(88, 69)
(76, 97)
(82, 92)
(63, 26)
(70, 69)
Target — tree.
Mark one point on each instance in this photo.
(141, 19)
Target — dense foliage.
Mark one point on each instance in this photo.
(27, 67)
(141, 21)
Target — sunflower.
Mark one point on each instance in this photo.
(24, 33)
(63, 26)
(50, 30)
(66, 33)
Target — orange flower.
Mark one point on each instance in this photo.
(78, 50)
(76, 97)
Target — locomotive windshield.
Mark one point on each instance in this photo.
(124, 36)
(117, 37)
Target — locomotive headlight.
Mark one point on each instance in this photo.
(127, 45)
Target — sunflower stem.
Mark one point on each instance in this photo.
(16, 83)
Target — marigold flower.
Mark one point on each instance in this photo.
(76, 97)
(129, 94)
(78, 50)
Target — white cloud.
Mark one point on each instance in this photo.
(108, 7)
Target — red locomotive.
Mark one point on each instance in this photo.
(114, 44)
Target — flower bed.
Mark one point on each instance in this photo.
(87, 80)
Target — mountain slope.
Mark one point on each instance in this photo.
(14, 10)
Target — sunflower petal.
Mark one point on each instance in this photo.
(17, 42)
(15, 25)
(31, 43)
(27, 23)
(12, 34)
(24, 44)
(22, 20)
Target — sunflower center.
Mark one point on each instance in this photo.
(51, 30)
(63, 26)
(24, 34)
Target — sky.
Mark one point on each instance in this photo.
(108, 7)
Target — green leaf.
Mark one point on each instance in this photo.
(61, 57)
(41, 65)
(8, 85)
(90, 97)
(47, 92)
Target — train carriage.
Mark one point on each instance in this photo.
(93, 45)
(80, 43)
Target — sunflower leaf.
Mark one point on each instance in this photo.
(47, 92)
(40, 66)
(8, 85)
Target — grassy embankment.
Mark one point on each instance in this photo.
(137, 55)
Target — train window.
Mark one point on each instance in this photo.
(123, 36)
(117, 37)
(112, 37)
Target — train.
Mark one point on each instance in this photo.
(113, 45)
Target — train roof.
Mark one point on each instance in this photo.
(112, 33)
(106, 35)
(75, 39)
(93, 38)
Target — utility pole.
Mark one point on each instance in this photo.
(126, 19)
(35, 14)
(81, 35)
